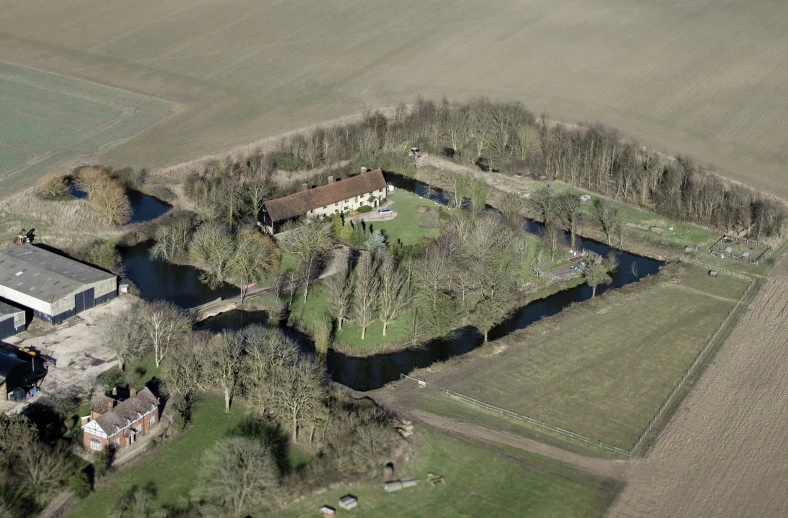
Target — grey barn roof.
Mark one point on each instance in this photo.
(45, 275)
(6, 310)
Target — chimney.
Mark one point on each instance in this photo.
(363, 170)
(110, 405)
(330, 180)
(304, 187)
(114, 391)
(132, 391)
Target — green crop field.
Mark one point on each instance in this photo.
(707, 79)
(601, 368)
(47, 120)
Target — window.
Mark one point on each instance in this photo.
(336, 204)
(356, 199)
(324, 207)
(95, 444)
(312, 211)
(138, 428)
(152, 420)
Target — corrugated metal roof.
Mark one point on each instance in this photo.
(45, 275)
(7, 310)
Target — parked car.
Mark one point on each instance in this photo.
(385, 211)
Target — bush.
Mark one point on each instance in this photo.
(52, 187)
(112, 378)
(181, 415)
(364, 209)
(79, 484)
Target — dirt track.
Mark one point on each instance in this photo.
(725, 452)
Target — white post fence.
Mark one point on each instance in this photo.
(748, 293)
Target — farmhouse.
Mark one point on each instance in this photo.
(12, 320)
(336, 197)
(116, 421)
(53, 286)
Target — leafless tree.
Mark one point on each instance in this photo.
(222, 364)
(609, 218)
(366, 285)
(109, 200)
(43, 469)
(478, 196)
(310, 241)
(552, 239)
(252, 259)
(511, 204)
(172, 239)
(238, 476)
(165, 325)
(296, 394)
(124, 333)
(393, 292)
(340, 293)
(52, 187)
(212, 248)
(570, 210)
(546, 203)
(596, 274)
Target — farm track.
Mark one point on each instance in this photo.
(724, 452)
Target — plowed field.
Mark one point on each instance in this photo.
(726, 450)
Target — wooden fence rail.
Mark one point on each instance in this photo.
(743, 300)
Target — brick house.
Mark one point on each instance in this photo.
(336, 197)
(117, 421)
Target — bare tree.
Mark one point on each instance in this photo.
(212, 248)
(43, 469)
(340, 293)
(238, 476)
(393, 292)
(511, 205)
(109, 200)
(596, 274)
(570, 210)
(256, 189)
(165, 325)
(546, 203)
(609, 218)
(552, 239)
(222, 364)
(124, 334)
(52, 187)
(296, 393)
(478, 196)
(365, 292)
(252, 259)
(309, 241)
(89, 178)
(172, 239)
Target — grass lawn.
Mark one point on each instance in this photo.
(350, 336)
(683, 234)
(172, 467)
(405, 226)
(601, 368)
(480, 481)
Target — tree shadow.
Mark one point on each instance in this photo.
(270, 435)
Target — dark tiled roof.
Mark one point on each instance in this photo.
(304, 201)
(127, 411)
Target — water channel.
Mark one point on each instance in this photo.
(181, 285)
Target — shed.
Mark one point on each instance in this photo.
(12, 320)
(13, 373)
(53, 286)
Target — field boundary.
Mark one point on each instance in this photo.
(669, 400)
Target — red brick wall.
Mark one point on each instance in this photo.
(124, 441)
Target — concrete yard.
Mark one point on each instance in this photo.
(76, 347)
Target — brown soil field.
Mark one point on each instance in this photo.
(705, 78)
(725, 450)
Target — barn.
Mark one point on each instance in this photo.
(53, 286)
(12, 320)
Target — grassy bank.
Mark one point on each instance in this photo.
(480, 481)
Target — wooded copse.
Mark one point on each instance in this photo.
(469, 274)
(506, 137)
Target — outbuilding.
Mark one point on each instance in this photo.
(53, 286)
(12, 320)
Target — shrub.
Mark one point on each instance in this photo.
(52, 187)
(364, 209)
(79, 484)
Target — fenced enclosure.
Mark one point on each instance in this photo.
(740, 249)
(665, 405)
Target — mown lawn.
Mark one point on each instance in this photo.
(480, 481)
(405, 227)
(172, 467)
(601, 368)
(316, 307)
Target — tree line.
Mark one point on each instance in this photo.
(505, 137)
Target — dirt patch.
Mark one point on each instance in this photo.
(725, 451)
